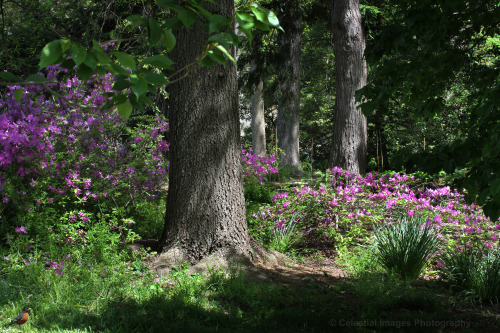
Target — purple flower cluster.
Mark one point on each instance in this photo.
(257, 166)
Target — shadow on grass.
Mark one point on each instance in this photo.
(305, 304)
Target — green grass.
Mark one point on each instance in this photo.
(223, 302)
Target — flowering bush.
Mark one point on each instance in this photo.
(69, 169)
(49, 147)
(256, 166)
(340, 211)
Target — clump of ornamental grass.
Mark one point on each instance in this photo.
(285, 235)
(404, 247)
(474, 273)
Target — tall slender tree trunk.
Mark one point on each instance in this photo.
(289, 103)
(258, 121)
(349, 146)
(205, 204)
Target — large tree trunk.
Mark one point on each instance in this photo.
(289, 103)
(258, 121)
(349, 146)
(205, 203)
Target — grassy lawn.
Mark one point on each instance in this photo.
(306, 297)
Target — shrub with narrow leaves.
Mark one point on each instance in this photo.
(405, 246)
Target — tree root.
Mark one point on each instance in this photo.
(227, 259)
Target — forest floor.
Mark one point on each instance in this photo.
(375, 305)
(372, 303)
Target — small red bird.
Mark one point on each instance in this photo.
(21, 318)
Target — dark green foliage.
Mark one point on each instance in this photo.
(27, 26)
(437, 61)
(317, 93)
(258, 193)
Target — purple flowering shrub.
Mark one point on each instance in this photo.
(61, 155)
(341, 212)
(257, 166)
(88, 153)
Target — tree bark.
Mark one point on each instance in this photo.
(258, 121)
(349, 146)
(205, 204)
(289, 103)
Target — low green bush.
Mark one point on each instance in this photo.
(256, 192)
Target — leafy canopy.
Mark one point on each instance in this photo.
(134, 78)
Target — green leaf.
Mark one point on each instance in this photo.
(202, 11)
(247, 32)
(8, 76)
(187, 17)
(135, 104)
(154, 31)
(147, 100)
(96, 46)
(272, 19)
(207, 62)
(140, 87)
(244, 19)
(124, 109)
(121, 76)
(101, 71)
(102, 58)
(18, 94)
(134, 18)
(90, 60)
(168, 39)
(65, 45)
(173, 23)
(121, 84)
(262, 26)
(259, 14)
(51, 54)
(120, 70)
(156, 79)
(217, 22)
(68, 64)
(217, 57)
(84, 72)
(225, 52)
(125, 60)
(119, 99)
(36, 78)
(159, 60)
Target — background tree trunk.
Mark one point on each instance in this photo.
(258, 121)
(205, 203)
(349, 146)
(289, 102)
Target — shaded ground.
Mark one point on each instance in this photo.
(370, 304)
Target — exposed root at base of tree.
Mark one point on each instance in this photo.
(245, 260)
